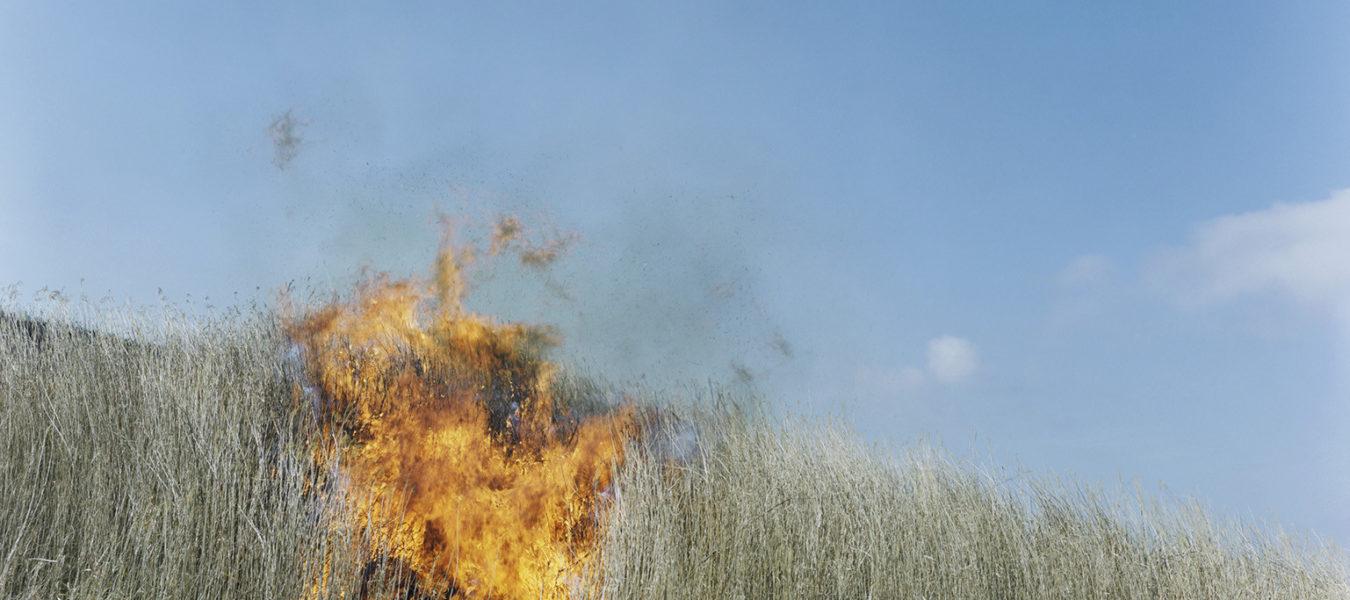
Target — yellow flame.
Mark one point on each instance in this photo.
(453, 421)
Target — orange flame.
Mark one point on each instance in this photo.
(452, 418)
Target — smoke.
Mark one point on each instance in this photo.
(662, 293)
(668, 293)
(644, 252)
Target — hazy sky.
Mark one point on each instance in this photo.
(1104, 241)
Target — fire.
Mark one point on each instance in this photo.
(460, 457)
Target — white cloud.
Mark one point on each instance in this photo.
(1300, 252)
(951, 359)
(911, 378)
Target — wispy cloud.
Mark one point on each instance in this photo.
(889, 381)
(1298, 252)
(1085, 271)
(1086, 288)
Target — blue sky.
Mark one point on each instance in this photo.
(1105, 241)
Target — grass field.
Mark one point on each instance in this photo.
(170, 460)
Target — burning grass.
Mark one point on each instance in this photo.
(453, 419)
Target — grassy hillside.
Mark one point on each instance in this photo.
(173, 462)
(803, 510)
(166, 463)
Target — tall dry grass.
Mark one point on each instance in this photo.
(166, 462)
(726, 504)
(171, 461)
